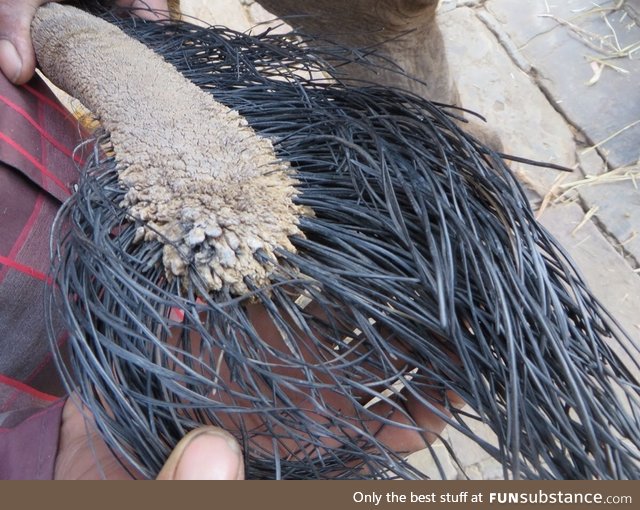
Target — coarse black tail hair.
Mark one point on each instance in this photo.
(422, 281)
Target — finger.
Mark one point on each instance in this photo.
(82, 454)
(318, 366)
(17, 58)
(207, 453)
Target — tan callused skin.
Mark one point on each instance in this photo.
(198, 177)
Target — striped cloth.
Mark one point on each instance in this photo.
(37, 171)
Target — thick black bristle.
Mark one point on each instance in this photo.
(428, 277)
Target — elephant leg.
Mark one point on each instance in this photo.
(403, 34)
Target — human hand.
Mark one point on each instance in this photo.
(84, 455)
(332, 411)
(17, 58)
(207, 453)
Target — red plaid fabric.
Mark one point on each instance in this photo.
(37, 172)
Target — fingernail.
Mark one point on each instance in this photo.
(10, 61)
(211, 455)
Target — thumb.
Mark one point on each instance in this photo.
(207, 453)
(17, 61)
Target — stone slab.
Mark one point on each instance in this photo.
(633, 8)
(614, 196)
(492, 85)
(563, 64)
(423, 460)
(618, 211)
(447, 5)
(610, 277)
(617, 203)
(472, 461)
(529, 20)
